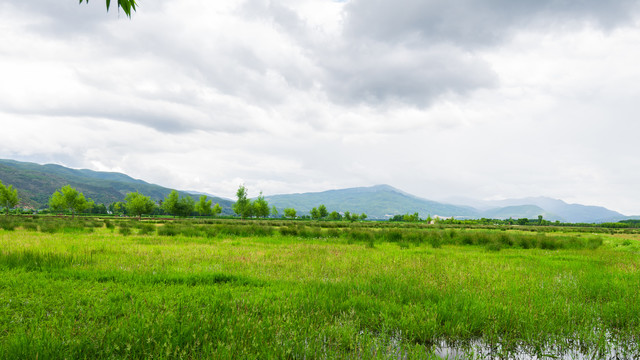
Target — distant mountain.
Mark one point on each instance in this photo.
(36, 183)
(554, 209)
(378, 202)
(573, 213)
(518, 212)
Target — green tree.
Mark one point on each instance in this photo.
(335, 216)
(290, 213)
(68, 198)
(261, 207)
(243, 206)
(186, 206)
(347, 216)
(138, 204)
(322, 211)
(315, 214)
(411, 218)
(203, 207)
(177, 205)
(8, 197)
(125, 5)
(274, 211)
(170, 203)
(217, 209)
(117, 208)
(98, 209)
(363, 216)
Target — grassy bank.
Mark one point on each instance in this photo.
(226, 290)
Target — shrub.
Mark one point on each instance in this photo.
(393, 235)
(416, 237)
(505, 239)
(288, 231)
(493, 246)
(594, 242)
(124, 230)
(547, 243)
(334, 233)
(49, 227)
(361, 235)
(7, 224)
(211, 231)
(31, 226)
(525, 242)
(466, 238)
(435, 239)
(146, 229)
(260, 230)
(168, 230)
(108, 224)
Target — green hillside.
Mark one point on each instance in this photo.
(36, 183)
(378, 202)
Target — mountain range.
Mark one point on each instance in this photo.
(36, 183)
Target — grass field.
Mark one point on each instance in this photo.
(235, 290)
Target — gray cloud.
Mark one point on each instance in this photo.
(472, 23)
(356, 70)
(375, 73)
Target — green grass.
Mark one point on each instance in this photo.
(239, 290)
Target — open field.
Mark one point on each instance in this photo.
(234, 290)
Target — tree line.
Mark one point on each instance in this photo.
(259, 207)
(70, 200)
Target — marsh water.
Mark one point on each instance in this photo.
(479, 350)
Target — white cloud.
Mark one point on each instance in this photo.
(486, 100)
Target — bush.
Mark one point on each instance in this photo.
(334, 233)
(168, 230)
(505, 239)
(594, 242)
(7, 224)
(361, 235)
(466, 238)
(49, 227)
(124, 230)
(210, 231)
(310, 232)
(435, 239)
(260, 230)
(393, 235)
(493, 246)
(547, 243)
(146, 229)
(31, 226)
(288, 231)
(525, 242)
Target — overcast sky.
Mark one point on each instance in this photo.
(483, 99)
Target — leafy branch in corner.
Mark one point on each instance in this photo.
(126, 5)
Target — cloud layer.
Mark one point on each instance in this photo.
(483, 99)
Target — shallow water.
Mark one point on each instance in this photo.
(479, 350)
